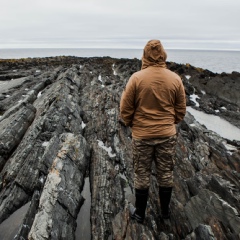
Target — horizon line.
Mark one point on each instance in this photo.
(126, 48)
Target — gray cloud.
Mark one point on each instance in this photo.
(92, 23)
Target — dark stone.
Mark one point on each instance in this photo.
(61, 124)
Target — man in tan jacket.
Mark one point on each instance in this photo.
(152, 102)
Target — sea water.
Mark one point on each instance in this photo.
(215, 61)
(216, 124)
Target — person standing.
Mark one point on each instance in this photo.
(152, 102)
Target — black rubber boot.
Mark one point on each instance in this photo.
(138, 212)
(165, 194)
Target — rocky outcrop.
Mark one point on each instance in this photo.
(60, 125)
(216, 94)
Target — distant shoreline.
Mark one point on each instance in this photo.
(217, 61)
(101, 48)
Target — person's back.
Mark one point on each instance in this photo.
(157, 92)
(154, 98)
(151, 104)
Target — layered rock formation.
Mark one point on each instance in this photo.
(59, 124)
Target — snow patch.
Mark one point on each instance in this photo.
(39, 94)
(194, 98)
(107, 149)
(45, 144)
(187, 76)
(83, 125)
(41, 179)
(100, 78)
(114, 72)
(230, 147)
(203, 92)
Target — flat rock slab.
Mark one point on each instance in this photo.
(6, 85)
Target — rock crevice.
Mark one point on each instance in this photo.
(61, 123)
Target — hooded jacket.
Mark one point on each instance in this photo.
(153, 100)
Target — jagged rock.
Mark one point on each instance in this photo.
(12, 129)
(222, 96)
(61, 122)
(204, 232)
(60, 200)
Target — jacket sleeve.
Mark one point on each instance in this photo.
(180, 104)
(127, 103)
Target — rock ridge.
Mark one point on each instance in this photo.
(59, 122)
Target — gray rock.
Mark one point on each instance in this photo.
(13, 128)
(60, 200)
(66, 127)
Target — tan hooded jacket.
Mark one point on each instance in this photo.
(153, 100)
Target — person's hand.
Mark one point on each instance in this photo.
(121, 122)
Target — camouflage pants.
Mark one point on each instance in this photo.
(162, 152)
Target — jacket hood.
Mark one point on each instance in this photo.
(154, 55)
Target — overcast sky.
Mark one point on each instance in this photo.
(188, 24)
